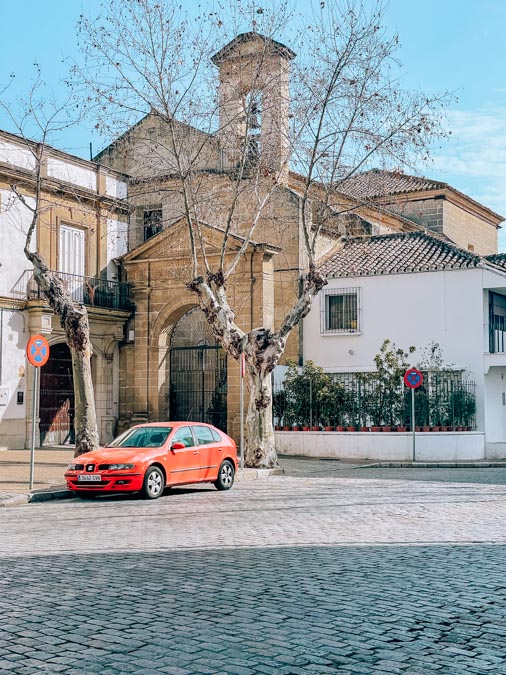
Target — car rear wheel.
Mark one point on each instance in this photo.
(154, 483)
(226, 476)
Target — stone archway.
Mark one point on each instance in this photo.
(198, 372)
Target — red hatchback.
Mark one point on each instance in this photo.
(149, 457)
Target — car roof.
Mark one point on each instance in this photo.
(173, 424)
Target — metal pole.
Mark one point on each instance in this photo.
(34, 409)
(311, 404)
(413, 420)
(241, 406)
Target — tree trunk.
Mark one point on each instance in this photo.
(85, 420)
(260, 447)
(74, 321)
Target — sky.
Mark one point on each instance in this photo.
(446, 45)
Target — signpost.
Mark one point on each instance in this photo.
(37, 353)
(413, 378)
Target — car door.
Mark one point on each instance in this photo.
(183, 463)
(210, 452)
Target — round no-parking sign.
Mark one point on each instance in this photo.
(413, 378)
(37, 350)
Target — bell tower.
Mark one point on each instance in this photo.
(254, 103)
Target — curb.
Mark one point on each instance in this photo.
(435, 465)
(13, 500)
(48, 495)
(255, 474)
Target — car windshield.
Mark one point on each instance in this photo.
(142, 437)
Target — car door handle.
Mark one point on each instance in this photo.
(195, 452)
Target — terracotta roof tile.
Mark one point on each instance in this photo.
(397, 253)
(498, 259)
(378, 183)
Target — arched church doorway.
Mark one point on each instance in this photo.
(56, 408)
(198, 372)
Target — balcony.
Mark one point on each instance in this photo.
(91, 291)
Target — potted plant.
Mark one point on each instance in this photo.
(278, 408)
(463, 406)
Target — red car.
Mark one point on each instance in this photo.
(149, 457)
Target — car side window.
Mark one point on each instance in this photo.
(184, 435)
(216, 435)
(204, 435)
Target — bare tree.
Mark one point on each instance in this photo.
(45, 118)
(348, 110)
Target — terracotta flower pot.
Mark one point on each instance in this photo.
(364, 428)
(401, 429)
(425, 428)
(277, 427)
(376, 429)
(386, 428)
(435, 428)
(305, 428)
(296, 428)
(328, 428)
(315, 429)
(459, 428)
(286, 428)
(351, 428)
(443, 428)
(340, 428)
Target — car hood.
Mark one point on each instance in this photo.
(112, 456)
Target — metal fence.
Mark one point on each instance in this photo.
(445, 401)
(91, 291)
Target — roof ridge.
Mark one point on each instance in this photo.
(396, 253)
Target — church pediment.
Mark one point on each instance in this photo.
(175, 240)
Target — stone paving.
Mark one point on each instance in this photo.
(328, 569)
(50, 466)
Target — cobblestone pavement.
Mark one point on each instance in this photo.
(328, 569)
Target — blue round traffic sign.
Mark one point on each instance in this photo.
(37, 350)
(413, 378)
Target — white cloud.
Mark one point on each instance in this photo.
(474, 159)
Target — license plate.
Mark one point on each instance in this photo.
(89, 478)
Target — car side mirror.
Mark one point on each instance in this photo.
(178, 446)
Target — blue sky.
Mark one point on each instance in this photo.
(454, 45)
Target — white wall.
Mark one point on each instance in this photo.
(410, 309)
(15, 219)
(18, 155)
(115, 187)
(430, 447)
(72, 173)
(14, 338)
(117, 243)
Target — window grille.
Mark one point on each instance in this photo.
(152, 220)
(340, 310)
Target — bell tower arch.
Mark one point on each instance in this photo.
(254, 102)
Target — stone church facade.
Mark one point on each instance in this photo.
(170, 364)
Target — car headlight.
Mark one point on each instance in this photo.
(72, 467)
(116, 467)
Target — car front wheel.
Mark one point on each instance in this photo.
(154, 483)
(226, 475)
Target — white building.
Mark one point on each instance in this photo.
(413, 288)
(81, 229)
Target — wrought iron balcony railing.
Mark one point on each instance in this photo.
(91, 291)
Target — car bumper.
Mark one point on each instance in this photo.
(125, 482)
